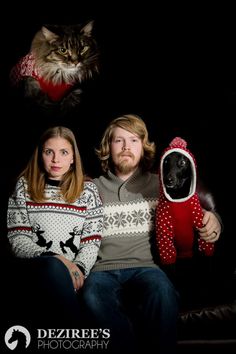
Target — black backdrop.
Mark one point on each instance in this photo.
(173, 65)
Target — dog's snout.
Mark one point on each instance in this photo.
(169, 180)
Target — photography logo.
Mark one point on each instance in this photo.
(17, 337)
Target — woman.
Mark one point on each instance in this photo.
(55, 220)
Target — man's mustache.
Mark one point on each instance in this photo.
(123, 154)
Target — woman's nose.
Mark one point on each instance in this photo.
(55, 158)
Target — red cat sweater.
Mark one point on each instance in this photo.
(26, 67)
(177, 219)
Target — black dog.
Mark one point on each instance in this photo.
(180, 207)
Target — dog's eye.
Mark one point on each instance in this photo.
(182, 163)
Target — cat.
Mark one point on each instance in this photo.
(61, 58)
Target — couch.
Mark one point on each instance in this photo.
(207, 321)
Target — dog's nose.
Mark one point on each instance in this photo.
(169, 181)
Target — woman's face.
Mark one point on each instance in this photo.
(57, 157)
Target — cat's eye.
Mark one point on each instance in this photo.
(84, 50)
(62, 50)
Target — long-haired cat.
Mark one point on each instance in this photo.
(61, 58)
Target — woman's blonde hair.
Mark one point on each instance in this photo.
(72, 183)
(135, 125)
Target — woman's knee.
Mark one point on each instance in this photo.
(50, 267)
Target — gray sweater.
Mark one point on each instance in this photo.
(129, 208)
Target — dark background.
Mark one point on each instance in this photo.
(173, 65)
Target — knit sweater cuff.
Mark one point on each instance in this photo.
(81, 268)
(48, 254)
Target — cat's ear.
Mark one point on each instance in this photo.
(87, 29)
(49, 35)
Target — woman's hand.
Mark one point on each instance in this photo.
(211, 230)
(76, 275)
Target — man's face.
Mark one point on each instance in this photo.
(126, 150)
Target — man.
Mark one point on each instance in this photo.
(126, 269)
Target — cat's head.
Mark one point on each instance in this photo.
(66, 53)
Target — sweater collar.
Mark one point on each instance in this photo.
(132, 178)
(53, 182)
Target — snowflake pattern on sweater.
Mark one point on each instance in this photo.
(73, 230)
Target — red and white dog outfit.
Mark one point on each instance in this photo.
(177, 219)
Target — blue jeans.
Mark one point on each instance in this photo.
(135, 304)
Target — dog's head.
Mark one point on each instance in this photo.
(177, 175)
(178, 171)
